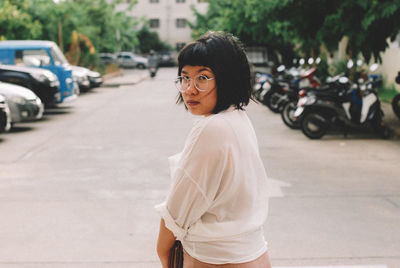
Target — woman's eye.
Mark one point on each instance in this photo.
(203, 78)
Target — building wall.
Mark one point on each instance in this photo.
(390, 60)
(167, 12)
(391, 63)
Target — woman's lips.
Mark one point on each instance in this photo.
(192, 103)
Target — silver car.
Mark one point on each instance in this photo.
(24, 105)
(129, 59)
(5, 117)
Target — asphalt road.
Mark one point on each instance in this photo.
(77, 189)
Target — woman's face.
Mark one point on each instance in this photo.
(199, 102)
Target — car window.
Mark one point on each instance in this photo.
(34, 57)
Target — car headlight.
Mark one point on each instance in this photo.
(18, 99)
(39, 77)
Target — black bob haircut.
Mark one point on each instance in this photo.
(224, 55)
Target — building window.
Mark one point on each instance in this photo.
(180, 1)
(154, 23)
(154, 1)
(180, 23)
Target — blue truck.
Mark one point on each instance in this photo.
(41, 54)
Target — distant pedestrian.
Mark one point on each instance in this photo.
(218, 201)
(153, 63)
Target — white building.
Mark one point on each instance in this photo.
(168, 17)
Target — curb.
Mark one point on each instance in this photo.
(112, 75)
(130, 83)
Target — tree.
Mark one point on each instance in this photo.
(368, 24)
(305, 24)
(150, 41)
(16, 23)
(96, 22)
(252, 21)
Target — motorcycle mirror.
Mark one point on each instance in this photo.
(373, 67)
(281, 68)
(318, 60)
(310, 61)
(302, 61)
(350, 64)
(294, 61)
(360, 80)
(359, 62)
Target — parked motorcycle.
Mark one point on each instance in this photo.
(396, 99)
(289, 101)
(260, 87)
(289, 83)
(340, 105)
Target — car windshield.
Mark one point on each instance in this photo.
(59, 58)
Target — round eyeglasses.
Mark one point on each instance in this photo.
(201, 82)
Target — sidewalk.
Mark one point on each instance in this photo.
(125, 77)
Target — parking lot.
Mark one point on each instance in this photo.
(77, 188)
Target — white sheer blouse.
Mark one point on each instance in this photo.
(218, 200)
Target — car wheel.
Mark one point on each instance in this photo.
(314, 126)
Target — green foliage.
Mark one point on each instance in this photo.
(387, 92)
(107, 29)
(305, 25)
(16, 23)
(150, 41)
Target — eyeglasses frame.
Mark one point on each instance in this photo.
(190, 79)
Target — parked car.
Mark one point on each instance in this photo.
(92, 78)
(165, 58)
(5, 117)
(81, 79)
(106, 58)
(41, 54)
(129, 59)
(24, 105)
(43, 83)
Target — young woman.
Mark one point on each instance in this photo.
(218, 201)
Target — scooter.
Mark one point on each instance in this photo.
(261, 85)
(289, 85)
(341, 106)
(289, 101)
(396, 99)
(153, 71)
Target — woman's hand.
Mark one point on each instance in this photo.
(165, 242)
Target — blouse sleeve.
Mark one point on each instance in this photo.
(197, 178)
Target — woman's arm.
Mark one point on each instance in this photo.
(165, 242)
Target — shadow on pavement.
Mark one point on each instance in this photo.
(58, 110)
(19, 129)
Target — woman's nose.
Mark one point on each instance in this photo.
(192, 90)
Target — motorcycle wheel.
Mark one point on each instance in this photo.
(396, 105)
(380, 128)
(287, 115)
(314, 126)
(273, 102)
